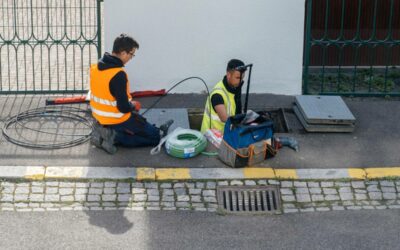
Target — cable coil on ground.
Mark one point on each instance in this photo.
(48, 114)
(185, 143)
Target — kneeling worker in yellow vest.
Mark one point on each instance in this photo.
(116, 114)
(225, 98)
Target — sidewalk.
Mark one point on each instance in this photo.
(352, 171)
(374, 143)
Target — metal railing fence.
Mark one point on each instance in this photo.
(352, 48)
(47, 46)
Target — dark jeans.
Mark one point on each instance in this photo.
(136, 132)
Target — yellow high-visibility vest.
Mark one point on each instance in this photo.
(230, 105)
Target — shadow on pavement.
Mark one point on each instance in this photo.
(115, 222)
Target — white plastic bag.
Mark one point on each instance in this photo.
(214, 136)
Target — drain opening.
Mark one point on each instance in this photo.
(249, 199)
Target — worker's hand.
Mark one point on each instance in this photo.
(137, 105)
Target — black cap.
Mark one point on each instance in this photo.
(233, 64)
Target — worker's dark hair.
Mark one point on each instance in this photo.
(233, 64)
(124, 43)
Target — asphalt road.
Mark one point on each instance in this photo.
(371, 229)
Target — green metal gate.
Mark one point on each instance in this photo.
(352, 48)
(47, 46)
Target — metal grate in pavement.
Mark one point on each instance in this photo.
(249, 199)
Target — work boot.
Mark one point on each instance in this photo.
(95, 138)
(107, 137)
(164, 127)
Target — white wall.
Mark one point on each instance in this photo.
(182, 38)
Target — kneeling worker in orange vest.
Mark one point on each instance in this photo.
(112, 106)
(225, 98)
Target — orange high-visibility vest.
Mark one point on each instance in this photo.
(102, 102)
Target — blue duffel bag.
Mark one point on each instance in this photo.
(247, 144)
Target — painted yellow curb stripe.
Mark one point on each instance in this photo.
(173, 174)
(357, 173)
(145, 174)
(258, 173)
(36, 177)
(35, 173)
(382, 172)
(286, 174)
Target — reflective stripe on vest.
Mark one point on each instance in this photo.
(102, 102)
(107, 114)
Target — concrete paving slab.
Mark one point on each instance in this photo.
(322, 173)
(91, 172)
(324, 110)
(216, 173)
(28, 172)
(323, 128)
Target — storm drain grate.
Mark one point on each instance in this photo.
(249, 199)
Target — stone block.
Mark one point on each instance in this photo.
(315, 191)
(139, 197)
(209, 193)
(313, 184)
(195, 191)
(288, 198)
(303, 198)
(183, 198)
(286, 191)
(286, 184)
(110, 184)
(358, 184)
(52, 197)
(66, 191)
(300, 184)
(180, 191)
(332, 197)
(109, 197)
(346, 196)
(93, 198)
(317, 197)
(153, 198)
(375, 195)
(109, 190)
(329, 191)
(302, 191)
(326, 184)
(95, 191)
(195, 198)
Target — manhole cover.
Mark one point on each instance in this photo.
(249, 199)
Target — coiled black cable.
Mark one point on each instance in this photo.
(57, 112)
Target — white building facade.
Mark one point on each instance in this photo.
(182, 38)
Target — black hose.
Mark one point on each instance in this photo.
(69, 113)
(175, 85)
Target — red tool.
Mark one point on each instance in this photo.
(66, 100)
(82, 99)
(148, 93)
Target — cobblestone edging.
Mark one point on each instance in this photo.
(297, 196)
